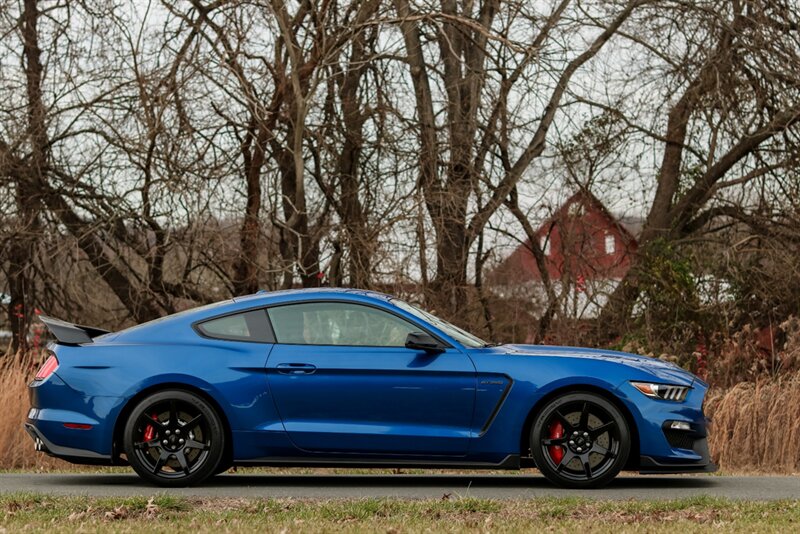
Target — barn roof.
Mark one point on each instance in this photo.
(630, 226)
(520, 265)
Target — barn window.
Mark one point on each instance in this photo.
(611, 244)
(544, 244)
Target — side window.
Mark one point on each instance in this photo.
(338, 323)
(247, 326)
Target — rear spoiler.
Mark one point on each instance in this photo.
(69, 333)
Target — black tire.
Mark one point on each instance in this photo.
(223, 467)
(174, 438)
(591, 434)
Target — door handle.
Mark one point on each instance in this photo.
(296, 368)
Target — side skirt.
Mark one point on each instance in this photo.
(510, 462)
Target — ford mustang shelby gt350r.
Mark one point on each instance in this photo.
(347, 377)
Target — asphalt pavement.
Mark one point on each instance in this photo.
(521, 486)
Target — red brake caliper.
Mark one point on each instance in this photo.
(150, 432)
(556, 431)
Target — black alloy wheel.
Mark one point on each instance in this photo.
(580, 440)
(174, 438)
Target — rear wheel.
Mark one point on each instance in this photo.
(174, 438)
(580, 440)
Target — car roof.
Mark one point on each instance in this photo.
(310, 292)
(260, 298)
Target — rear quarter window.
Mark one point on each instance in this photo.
(250, 326)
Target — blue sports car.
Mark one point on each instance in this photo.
(343, 377)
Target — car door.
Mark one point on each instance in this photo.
(344, 382)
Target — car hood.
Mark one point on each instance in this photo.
(661, 370)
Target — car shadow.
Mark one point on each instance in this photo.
(393, 481)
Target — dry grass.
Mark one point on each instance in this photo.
(15, 444)
(756, 425)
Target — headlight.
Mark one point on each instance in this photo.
(663, 391)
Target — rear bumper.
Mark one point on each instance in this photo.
(56, 407)
(77, 456)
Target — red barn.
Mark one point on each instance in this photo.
(587, 252)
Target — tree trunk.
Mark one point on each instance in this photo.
(452, 257)
(245, 271)
(20, 276)
(20, 280)
(360, 240)
(299, 249)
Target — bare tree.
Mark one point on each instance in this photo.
(468, 148)
(736, 107)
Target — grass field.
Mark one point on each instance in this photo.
(30, 512)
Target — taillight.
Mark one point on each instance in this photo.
(48, 368)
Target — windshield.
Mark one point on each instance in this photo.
(462, 336)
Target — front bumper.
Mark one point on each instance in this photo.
(662, 448)
(695, 440)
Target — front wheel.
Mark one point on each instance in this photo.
(174, 438)
(580, 440)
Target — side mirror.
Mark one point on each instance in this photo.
(423, 341)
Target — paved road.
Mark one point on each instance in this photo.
(410, 486)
